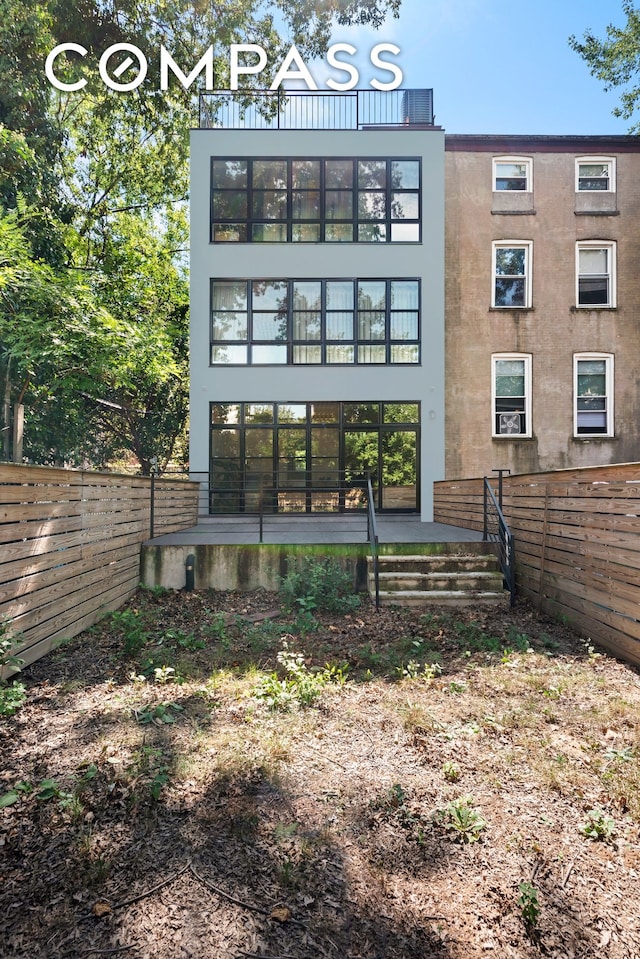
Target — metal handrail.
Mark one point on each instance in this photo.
(496, 530)
(372, 535)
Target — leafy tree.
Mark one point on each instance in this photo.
(616, 60)
(93, 292)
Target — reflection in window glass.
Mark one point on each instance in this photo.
(279, 201)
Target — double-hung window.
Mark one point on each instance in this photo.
(512, 273)
(512, 173)
(593, 394)
(595, 174)
(511, 394)
(595, 273)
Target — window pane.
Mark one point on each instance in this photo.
(338, 233)
(229, 326)
(305, 232)
(509, 386)
(592, 367)
(307, 354)
(510, 261)
(229, 173)
(305, 206)
(340, 295)
(269, 205)
(404, 206)
(594, 261)
(511, 176)
(230, 232)
(340, 354)
(225, 413)
(371, 325)
(258, 442)
(306, 296)
(593, 290)
(229, 295)
(404, 294)
(325, 412)
(269, 326)
(306, 325)
(372, 295)
(406, 174)
(230, 205)
(269, 232)
(372, 232)
(361, 412)
(405, 354)
(372, 354)
(258, 413)
(339, 325)
(229, 354)
(270, 174)
(372, 173)
(510, 367)
(405, 232)
(269, 354)
(404, 326)
(305, 174)
(338, 173)
(270, 295)
(372, 206)
(225, 443)
(510, 293)
(401, 413)
(338, 205)
(292, 412)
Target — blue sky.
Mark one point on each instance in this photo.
(500, 67)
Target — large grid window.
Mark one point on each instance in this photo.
(511, 273)
(298, 322)
(308, 200)
(595, 273)
(314, 456)
(593, 394)
(511, 387)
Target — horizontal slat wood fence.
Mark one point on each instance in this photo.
(70, 546)
(577, 545)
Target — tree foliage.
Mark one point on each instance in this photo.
(616, 60)
(93, 232)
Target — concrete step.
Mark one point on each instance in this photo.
(463, 580)
(449, 579)
(438, 563)
(443, 598)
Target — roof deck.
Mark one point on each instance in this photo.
(316, 110)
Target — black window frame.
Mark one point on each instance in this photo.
(251, 222)
(357, 342)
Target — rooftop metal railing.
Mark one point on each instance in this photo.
(315, 110)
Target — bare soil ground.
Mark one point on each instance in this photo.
(396, 816)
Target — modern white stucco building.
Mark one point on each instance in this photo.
(317, 303)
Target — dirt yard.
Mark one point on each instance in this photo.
(452, 785)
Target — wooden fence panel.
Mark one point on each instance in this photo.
(70, 545)
(577, 544)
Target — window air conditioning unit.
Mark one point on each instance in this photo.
(509, 424)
